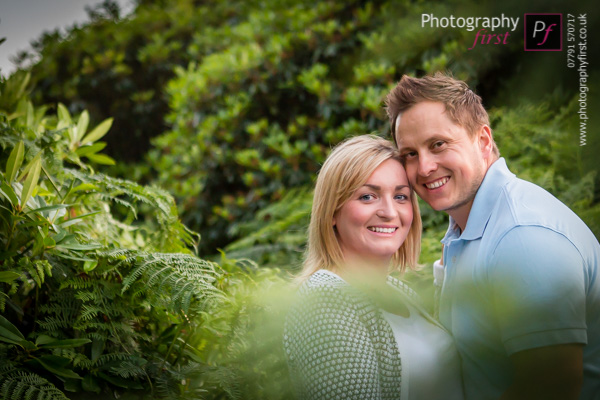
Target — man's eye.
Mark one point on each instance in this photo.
(437, 145)
(409, 154)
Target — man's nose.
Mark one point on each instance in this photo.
(427, 164)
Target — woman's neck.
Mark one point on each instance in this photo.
(361, 270)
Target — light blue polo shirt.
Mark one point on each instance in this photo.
(523, 274)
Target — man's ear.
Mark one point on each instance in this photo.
(486, 141)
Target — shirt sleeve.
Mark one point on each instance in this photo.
(329, 350)
(537, 279)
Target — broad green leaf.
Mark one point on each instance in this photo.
(90, 384)
(8, 276)
(98, 131)
(49, 208)
(124, 383)
(97, 348)
(30, 116)
(72, 385)
(82, 124)
(14, 161)
(77, 219)
(85, 186)
(90, 149)
(89, 266)
(8, 192)
(51, 180)
(68, 257)
(62, 124)
(14, 115)
(78, 246)
(49, 242)
(43, 339)
(24, 82)
(28, 167)
(43, 192)
(61, 235)
(9, 333)
(31, 182)
(64, 114)
(64, 343)
(101, 159)
(57, 365)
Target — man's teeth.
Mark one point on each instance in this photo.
(382, 230)
(436, 184)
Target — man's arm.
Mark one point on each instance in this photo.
(539, 295)
(548, 373)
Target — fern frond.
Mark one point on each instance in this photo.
(77, 283)
(114, 188)
(25, 385)
(131, 368)
(36, 269)
(89, 312)
(111, 357)
(176, 278)
(3, 297)
(53, 324)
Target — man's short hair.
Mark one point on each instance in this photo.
(463, 106)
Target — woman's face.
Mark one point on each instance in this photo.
(372, 225)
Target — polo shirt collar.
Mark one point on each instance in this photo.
(496, 177)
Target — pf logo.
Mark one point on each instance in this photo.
(543, 32)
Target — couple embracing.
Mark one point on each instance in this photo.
(519, 291)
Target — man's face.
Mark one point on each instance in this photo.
(444, 164)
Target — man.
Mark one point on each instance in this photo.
(521, 291)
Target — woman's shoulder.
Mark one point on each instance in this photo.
(323, 279)
(326, 309)
(403, 287)
(323, 285)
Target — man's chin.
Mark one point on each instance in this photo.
(438, 204)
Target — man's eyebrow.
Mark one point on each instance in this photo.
(429, 141)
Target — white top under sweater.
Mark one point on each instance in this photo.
(430, 361)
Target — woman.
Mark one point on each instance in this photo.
(355, 332)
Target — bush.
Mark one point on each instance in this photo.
(92, 303)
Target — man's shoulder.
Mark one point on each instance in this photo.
(524, 204)
(525, 207)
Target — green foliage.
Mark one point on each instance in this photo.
(243, 100)
(276, 237)
(18, 384)
(258, 114)
(240, 339)
(90, 301)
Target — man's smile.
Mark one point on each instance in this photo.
(437, 183)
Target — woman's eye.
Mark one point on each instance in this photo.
(401, 197)
(366, 197)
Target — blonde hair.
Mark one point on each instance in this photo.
(462, 105)
(348, 167)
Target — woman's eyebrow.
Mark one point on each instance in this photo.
(375, 187)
